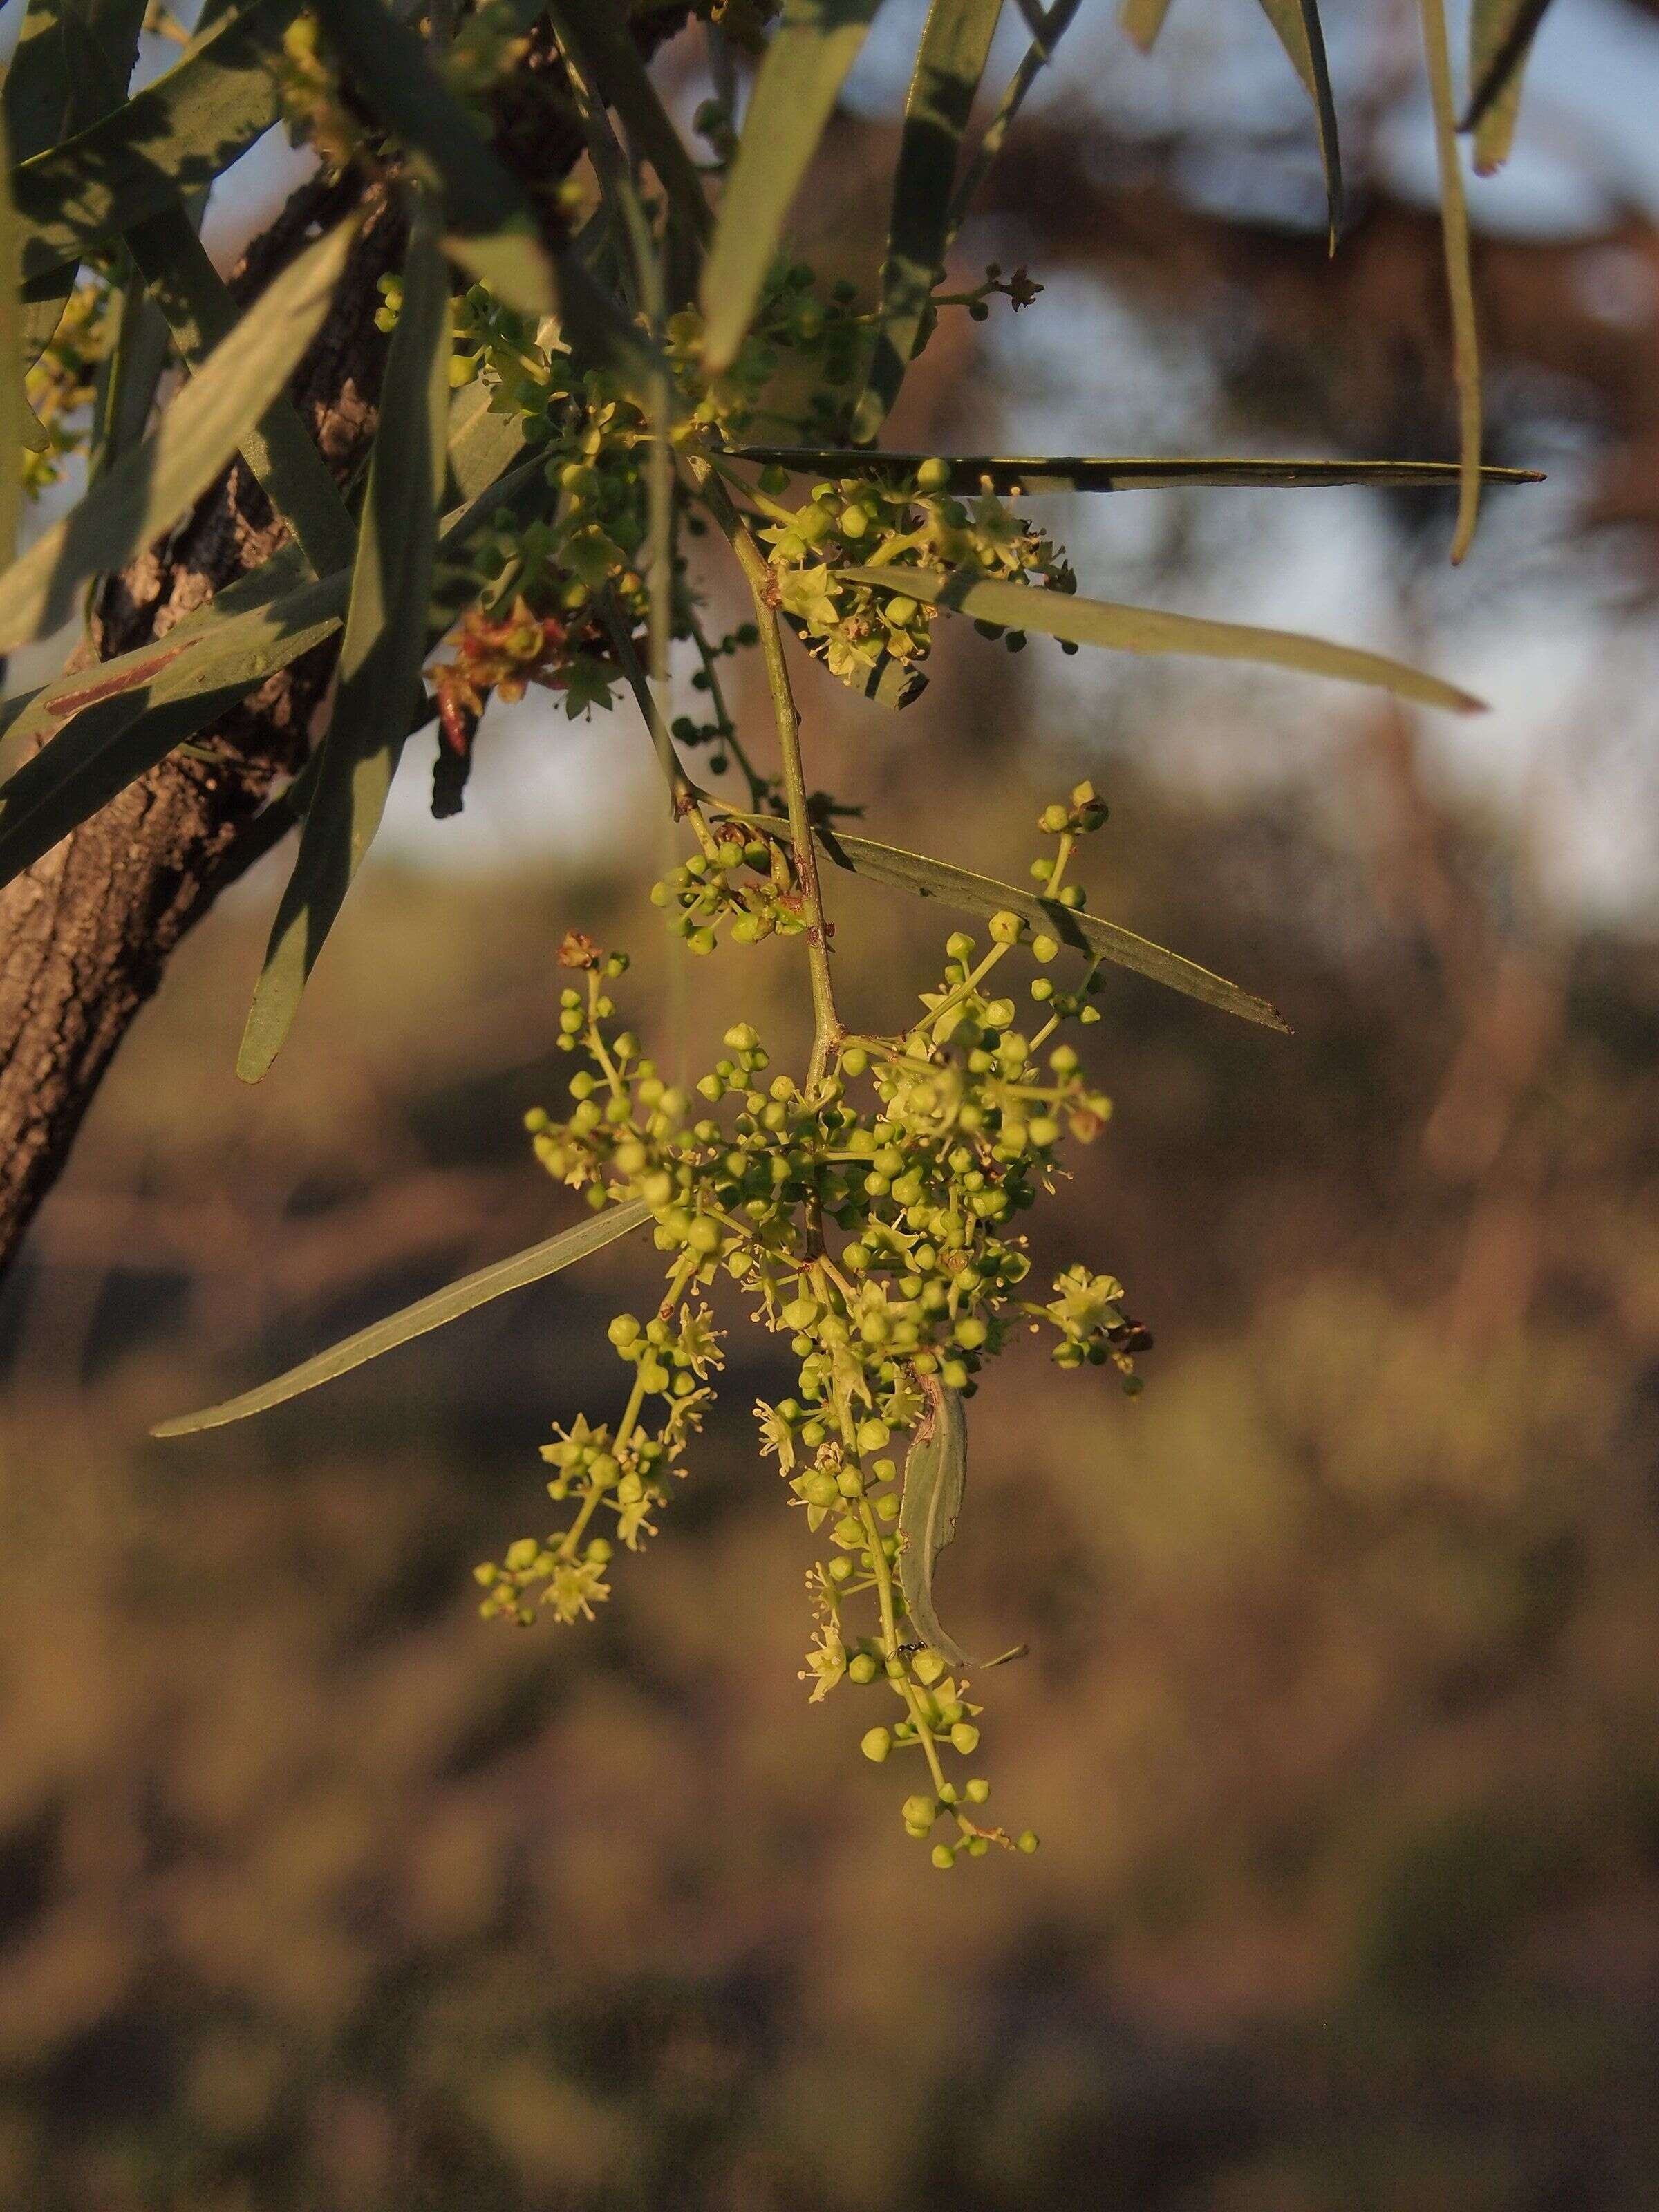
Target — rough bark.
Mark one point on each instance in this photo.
(87, 932)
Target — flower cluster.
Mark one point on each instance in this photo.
(865, 522)
(872, 1218)
(61, 386)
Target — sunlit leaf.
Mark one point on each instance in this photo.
(380, 654)
(812, 49)
(949, 63)
(1501, 33)
(1017, 477)
(1296, 22)
(532, 1266)
(1460, 283)
(935, 1477)
(1147, 629)
(150, 487)
(961, 889)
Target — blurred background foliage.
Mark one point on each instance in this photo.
(1341, 1725)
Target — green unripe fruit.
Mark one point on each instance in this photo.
(875, 1744)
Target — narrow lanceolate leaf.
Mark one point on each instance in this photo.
(1143, 19)
(152, 485)
(492, 231)
(949, 63)
(1460, 281)
(380, 656)
(959, 887)
(1017, 476)
(201, 314)
(1296, 22)
(14, 413)
(1147, 629)
(812, 49)
(174, 136)
(1501, 33)
(597, 32)
(116, 721)
(1035, 59)
(935, 1477)
(446, 1305)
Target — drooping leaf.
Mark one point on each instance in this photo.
(815, 45)
(201, 314)
(1143, 19)
(949, 62)
(969, 893)
(1017, 477)
(1460, 281)
(14, 411)
(1148, 630)
(935, 1477)
(491, 228)
(380, 654)
(472, 1290)
(1296, 22)
(1501, 33)
(153, 484)
(174, 136)
(598, 33)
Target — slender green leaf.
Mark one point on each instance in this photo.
(968, 893)
(815, 45)
(174, 136)
(597, 33)
(128, 377)
(154, 483)
(1019, 477)
(15, 416)
(492, 232)
(1460, 281)
(1501, 33)
(949, 63)
(1035, 59)
(935, 1479)
(201, 314)
(380, 656)
(1296, 22)
(446, 1305)
(1143, 19)
(1147, 629)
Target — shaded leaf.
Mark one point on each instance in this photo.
(1147, 629)
(1085, 932)
(935, 1479)
(472, 1290)
(598, 33)
(1501, 33)
(1021, 475)
(815, 45)
(380, 654)
(1296, 22)
(1460, 283)
(15, 416)
(174, 136)
(949, 62)
(1035, 59)
(493, 233)
(151, 486)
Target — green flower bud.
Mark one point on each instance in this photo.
(964, 1737)
(919, 1813)
(944, 1856)
(1006, 927)
(932, 476)
(1027, 1841)
(862, 1668)
(876, 1743)
(977, 1790)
